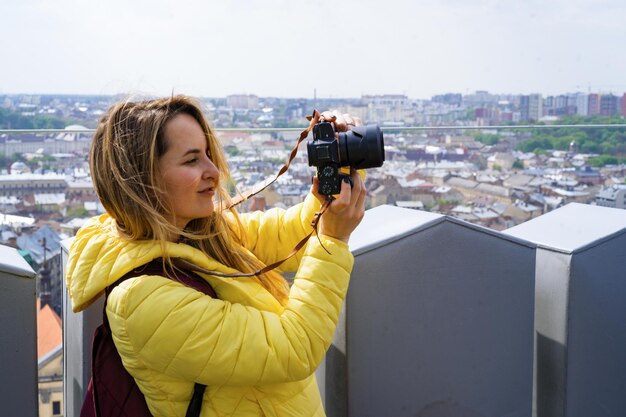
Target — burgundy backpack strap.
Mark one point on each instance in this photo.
(182, 271)
(112, 391)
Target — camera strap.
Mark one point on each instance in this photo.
(257, 189)
(184, 264)
(269, 181)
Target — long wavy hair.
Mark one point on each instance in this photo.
(124, 163)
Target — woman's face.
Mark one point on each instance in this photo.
(189, 176)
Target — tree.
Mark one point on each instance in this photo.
(487, 139)
(232, 150)
(75, 212)
(604, 160)
(14, 120)
(609, 141)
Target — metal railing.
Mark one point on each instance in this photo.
(384, 128)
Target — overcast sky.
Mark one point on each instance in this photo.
(289, 48)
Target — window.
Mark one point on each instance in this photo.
(56, 408)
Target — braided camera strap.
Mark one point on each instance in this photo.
(315, 118)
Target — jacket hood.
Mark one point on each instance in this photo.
(99, 256)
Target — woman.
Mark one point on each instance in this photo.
(159, 171)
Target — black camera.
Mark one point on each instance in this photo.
(359, 148)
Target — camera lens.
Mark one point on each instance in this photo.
(362, 147)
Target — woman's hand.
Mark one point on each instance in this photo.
(342, 121)
(345, 212)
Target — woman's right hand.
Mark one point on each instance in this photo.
(345, 212)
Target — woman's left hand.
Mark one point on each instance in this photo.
(342, 121)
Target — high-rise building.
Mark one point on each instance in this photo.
(531, 107)
(386, 107)
(560, 101)
(623, 106)
(480, 99)
(593, 106)
(581, 101)
(242, 101)
(608, 105)
(548, 105)
(564, 104)
(524, 105)
(453, 99)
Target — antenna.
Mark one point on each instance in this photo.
(45, 295)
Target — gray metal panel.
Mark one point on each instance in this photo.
(12, 263)
(387, 223)
(440, 323)
(78, 331)
(596, 346)
(572, 227)
(18, 344)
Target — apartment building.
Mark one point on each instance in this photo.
(531, 107)
(19, 185)
(608, 105)
(613, 196)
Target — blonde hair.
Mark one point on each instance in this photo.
(124, 159)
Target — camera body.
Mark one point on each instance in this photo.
(360, 148)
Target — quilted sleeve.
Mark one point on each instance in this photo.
(161, 325)
(273, 234)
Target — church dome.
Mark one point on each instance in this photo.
(19, 168)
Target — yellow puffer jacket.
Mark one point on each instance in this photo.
(256, 357)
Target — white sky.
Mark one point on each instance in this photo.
(288, 48)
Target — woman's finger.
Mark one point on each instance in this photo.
(357, 187)
(328, 116)
(345, 196)
(315, 190)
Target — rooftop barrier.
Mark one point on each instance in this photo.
(18, 327)
(78, 329)
(438, 321)
(443, 318)
(580, 296)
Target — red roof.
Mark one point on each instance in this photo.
(49, 330)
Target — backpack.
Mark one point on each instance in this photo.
(112, 391)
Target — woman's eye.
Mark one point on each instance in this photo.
(191, 161)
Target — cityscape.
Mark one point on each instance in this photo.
(494, 160)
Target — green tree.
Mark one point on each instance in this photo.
(14, 120)
(77, 212)
(604, 160)
(232, 150)
(609, 141)
(487, 139)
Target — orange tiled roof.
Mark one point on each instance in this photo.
(49, 330)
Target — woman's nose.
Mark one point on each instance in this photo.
(210, 170)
